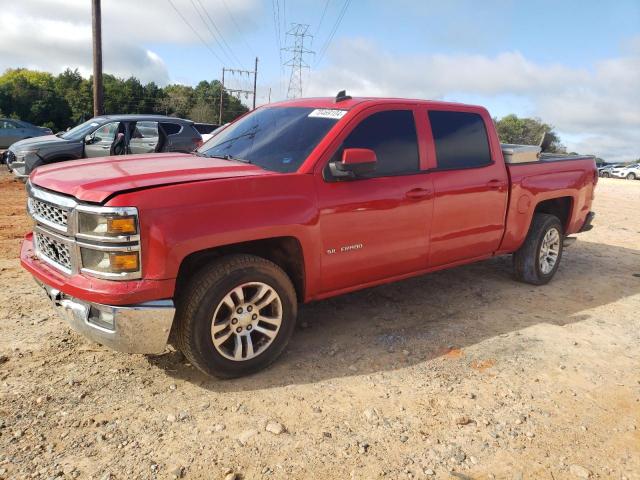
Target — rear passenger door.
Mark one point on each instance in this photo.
(376, 227)
(144, 137)
(471, 188)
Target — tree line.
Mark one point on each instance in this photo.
(64, 100)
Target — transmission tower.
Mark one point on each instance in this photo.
(296, 36)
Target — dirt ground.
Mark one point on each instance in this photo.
(459, 374)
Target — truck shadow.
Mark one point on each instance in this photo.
(411, 322)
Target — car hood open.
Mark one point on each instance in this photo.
(96, 179)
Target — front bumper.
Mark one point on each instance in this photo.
(141, 328)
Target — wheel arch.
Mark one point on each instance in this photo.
(285, 251)
(560, 207)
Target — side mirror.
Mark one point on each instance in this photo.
(88, 140)
(356, 162)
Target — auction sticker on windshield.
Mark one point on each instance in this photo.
(327, 113)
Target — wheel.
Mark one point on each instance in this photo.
(605, 175)
(631, 176)
(537, 260)
(236, 316)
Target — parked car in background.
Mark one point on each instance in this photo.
(630, 172)
(205, 128)
(12, 130)
(605, 170)
(208, 136)
(104, 136)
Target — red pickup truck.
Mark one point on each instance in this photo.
(293, 202)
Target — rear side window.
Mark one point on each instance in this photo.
(392, 135)
(460, 139)
(171, 128)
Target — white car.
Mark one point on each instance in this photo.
(630, 172)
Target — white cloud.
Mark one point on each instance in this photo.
(52, 35)
(599, 106)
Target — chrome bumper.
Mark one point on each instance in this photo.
(142, 328)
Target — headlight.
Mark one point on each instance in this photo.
(109, 241)
(21, 155)
(108, 262)
(114, 222)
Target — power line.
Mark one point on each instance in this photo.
(217, 30)
(233, 19)
(196, 32)
(324, 48)
(324, 12)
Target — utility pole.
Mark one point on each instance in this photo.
(239, 91)
(298, 32)
(221, 97)
(255, 80)
(96, 21)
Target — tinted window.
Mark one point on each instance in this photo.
(171, 128)
(392, 135)
(460, 139)
(274, 138)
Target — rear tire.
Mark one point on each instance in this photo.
(538, 259)
(236, 316)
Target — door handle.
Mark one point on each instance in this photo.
(418, 193)
(495, 184)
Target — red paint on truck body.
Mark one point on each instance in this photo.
(391, 227)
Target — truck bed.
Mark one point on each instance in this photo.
(568, 180)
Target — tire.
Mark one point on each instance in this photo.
(205, 305)
(527, 264)
(631, 176)
(606, 175)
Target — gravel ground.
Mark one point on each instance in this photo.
(459, 374)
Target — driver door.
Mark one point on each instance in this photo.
(376, 227)
(101, 140)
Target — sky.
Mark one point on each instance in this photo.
(573, 64)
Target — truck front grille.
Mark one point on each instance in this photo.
(53, 251)
(47, 213)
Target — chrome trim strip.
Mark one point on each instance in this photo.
(109, 248)
(52, 198)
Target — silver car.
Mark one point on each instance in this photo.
(104, 136)
(13, 130)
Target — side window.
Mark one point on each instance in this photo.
(145, 131)
(7, 124)
(106, 133)
(392, 135)
(460, 139)
(171, 128)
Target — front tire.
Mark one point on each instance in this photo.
(236, 316)
(538, 259)
(631, 176)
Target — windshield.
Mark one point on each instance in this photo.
(82, 130)
(274, 138)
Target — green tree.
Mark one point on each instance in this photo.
(527, 131)
(65, 100)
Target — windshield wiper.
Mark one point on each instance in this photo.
(227, 156)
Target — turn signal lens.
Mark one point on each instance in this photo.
(121, 225)
(124, 262)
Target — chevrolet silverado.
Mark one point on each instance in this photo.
(293, 202)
